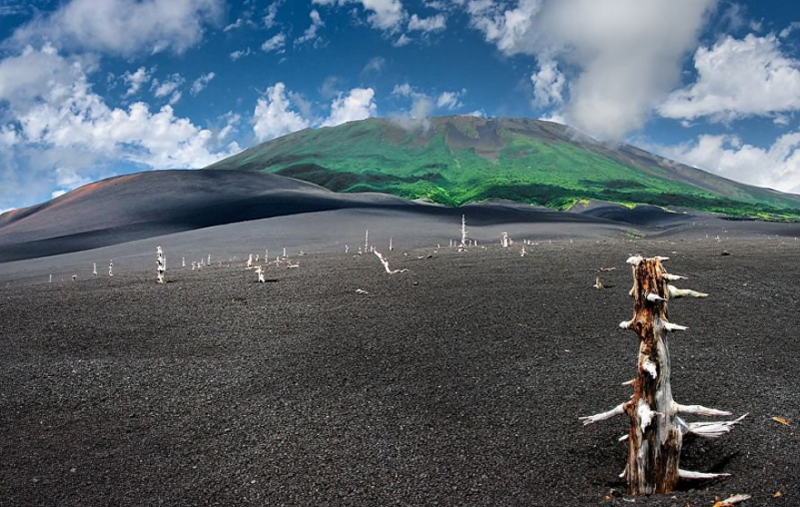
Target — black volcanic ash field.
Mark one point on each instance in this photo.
(459, 382)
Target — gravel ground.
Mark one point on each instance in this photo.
(459, 382)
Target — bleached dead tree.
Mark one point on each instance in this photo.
(366, 241)
(260, 273)
(161, 265)
(111, 267)
(183, 262)
(504, 240)
(463, 231)
(385, 263)
(657, 424)
(250, 261)
(391, 247)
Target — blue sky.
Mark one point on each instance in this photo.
(95, 88)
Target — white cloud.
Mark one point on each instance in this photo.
(233, 26)
(231, 121)
(775, 167)
(626, 53)
(201, 82)
(168, 87)
(136, 80)
(240, 54)
(310, 35)
(449, 100)
(794, 25)
(738, 78)
(432, 24)
(57, 193)
(548, 84)
(403, 40)
(123, 27)
(61, 129)
(385, 15)
(356, 105)
(272, 13)
(275, 43)
(273, 117)
(422, 105)
(403, 90)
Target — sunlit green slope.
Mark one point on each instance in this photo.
(454, 160)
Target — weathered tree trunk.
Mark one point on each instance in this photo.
(161, 265)
(654, 440)
(656, 432)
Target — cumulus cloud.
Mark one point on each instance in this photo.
(136, 80)
(201, 82)
(275, 43)
(148, 27)
(273, 116)
(626, 54)
(548, 84)
(167, 87)
(738, 78)
(777, 166)
(385, 15)
(60, 128)
(435, 23)
(280, 112)
(356, 105)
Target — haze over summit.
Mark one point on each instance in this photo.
(96, 88)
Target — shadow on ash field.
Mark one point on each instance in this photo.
(459, 382)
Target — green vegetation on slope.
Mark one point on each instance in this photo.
(461, 159)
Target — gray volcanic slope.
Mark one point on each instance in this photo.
(152, 204)
(149, 204)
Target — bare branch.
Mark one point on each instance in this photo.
(654, 297)
(673, 278)
(669, 326)
(687, 474)
(675, 293)
(618, 410)
(699, 410)
(713, 429)
(626, 324)
(385, 263)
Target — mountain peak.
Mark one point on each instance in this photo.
(454, 160)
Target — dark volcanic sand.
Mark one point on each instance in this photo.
(459, 382)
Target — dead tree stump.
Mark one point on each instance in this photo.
(657, 427)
